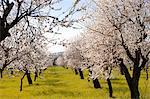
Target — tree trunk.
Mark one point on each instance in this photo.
(3, 32)
(147, 65)
(40, 72)
(35, 75)
(1, 73)
(76, 71)
(21, 83)
(132, 81)
(96, 83)
(29, 78)
(81, 73)
(90, 73)
(130, 68)
(146, 73)
(12, 72)
(134, 91)
(133, 85)
(110, 87)
(121, 71)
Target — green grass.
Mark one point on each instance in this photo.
(61, 83)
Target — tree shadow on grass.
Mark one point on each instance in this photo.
(120, 89)
(50, 92)
(117, 79)
(2, 87)
(54, 82)
(118, 83)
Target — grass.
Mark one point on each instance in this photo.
(61, 83)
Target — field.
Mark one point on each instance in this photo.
(61, 83)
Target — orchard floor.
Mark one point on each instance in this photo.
(61, 83)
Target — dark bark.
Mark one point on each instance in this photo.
(130, 68)
(40, 72)
(4, 26)
(132, 81)
(35, 75)
(121, 71)
(90, 73)
(1, 70)
(96, 83)
(81, 73)
(110, 87)
(146, 69)
(12, 72)
(76, 71)
(1, 73)
(54, 62)
(134, 91)
(3, 33)
(21, 83)
(146, 73)
(29, 78)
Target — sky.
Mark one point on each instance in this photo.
(67, 33)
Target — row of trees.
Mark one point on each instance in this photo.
(117, 36)
(24, 29)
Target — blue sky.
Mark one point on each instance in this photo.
(67, 33)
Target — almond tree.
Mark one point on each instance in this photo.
(32, 62)
(123, 22)
(10, 51)
(28, 21)
(73, 58)
(13, 12)
(99, 54)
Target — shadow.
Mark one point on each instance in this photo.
(54, 82)
(65, 93)
(120, 83)
(2, 87)
(120, 89)
(51, 92)
(48, 92)
(113, 97)
(118, 79)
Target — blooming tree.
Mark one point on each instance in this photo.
(123, 26)
(60, 61)
(12, 12)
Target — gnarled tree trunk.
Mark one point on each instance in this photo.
(35, 75)
(76, 71)
(21, 81)
(134, 91)
(121, 71)
(147, 65)
(133, 81)
(146, 73)
(40, 72)
(96, 83)
(81, 73)
(110, 87)
(1, 73)
(29, 77)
